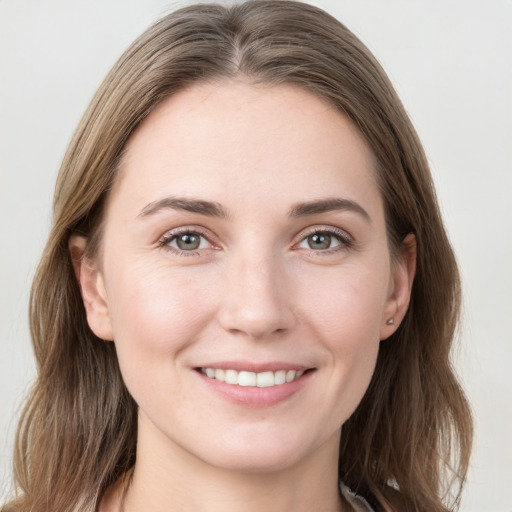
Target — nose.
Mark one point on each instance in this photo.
(257, 299)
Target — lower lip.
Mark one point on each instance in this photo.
(253, 397)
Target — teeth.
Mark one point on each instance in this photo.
(265, 379)
(231, 377)
(246, 379)
(280, 377)
(260, 380)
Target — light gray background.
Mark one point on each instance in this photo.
(451, 61)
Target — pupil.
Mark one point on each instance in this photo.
(319, 241)
(188, 242)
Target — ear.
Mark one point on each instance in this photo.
(92, 288)
(399, 295)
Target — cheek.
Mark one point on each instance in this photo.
(347, 303)
(157, 312)
(345, 311)
(156, 301)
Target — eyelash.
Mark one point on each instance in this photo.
(345, 240)
(173, 235)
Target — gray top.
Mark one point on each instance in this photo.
(358, 503)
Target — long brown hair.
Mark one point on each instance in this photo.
(407, 444)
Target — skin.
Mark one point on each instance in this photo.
(253, 291)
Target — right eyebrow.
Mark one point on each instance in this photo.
(208, 208)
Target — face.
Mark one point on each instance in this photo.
(245, 275)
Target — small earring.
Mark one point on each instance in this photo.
(390, 321)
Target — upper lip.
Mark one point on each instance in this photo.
(271, 366)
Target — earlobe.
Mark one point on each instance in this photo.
(92, 288)
(404, 270)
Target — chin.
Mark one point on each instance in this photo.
(256, 461)
(262, 453)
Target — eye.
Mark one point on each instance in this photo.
(186, 241)
(319, 241)
(325, 240)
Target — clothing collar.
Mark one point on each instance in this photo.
(358, 503)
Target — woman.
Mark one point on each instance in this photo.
(247, 298)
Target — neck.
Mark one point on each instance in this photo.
(168, 478)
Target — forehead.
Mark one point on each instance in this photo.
(227, 139)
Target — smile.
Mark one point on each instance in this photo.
(252, 379)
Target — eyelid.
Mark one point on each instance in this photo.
(346, 239)
(166, 238)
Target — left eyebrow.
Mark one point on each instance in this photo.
(329, 205)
